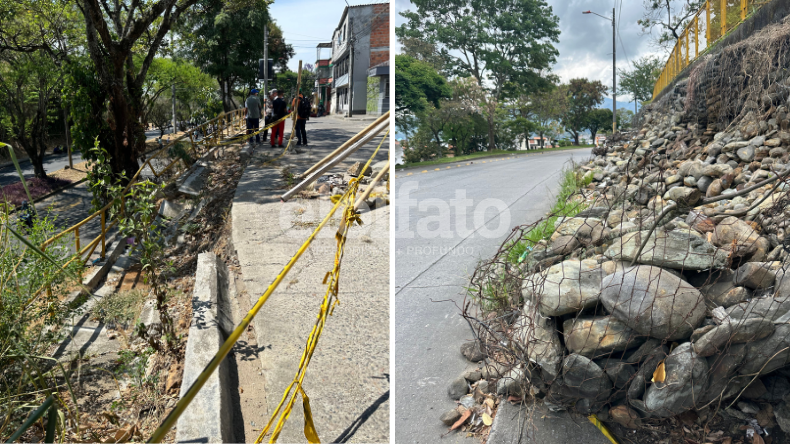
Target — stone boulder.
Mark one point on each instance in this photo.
(598, 336)
(769, 354)
(538, 336)
(587, 230)
(685, 196)
(754, 275)
(686, 379)
(767, 307)
(584, 378)
(733, 234)
(654, 302)
(669, 249)
(569, 286)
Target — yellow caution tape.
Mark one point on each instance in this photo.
(597, 423)
(350, 217)
(181, 405)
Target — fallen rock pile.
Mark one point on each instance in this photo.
(329, 185)
(669, 293)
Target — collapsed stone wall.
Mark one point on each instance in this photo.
(670, 293)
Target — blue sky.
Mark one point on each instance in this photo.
(306, 23)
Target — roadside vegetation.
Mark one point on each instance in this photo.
(573, 179)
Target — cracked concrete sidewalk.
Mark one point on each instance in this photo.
(348, 378)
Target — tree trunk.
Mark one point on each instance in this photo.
(491, 135)
(576, 139)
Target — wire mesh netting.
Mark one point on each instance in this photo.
(665, 292)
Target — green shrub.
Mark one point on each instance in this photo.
(573, 179)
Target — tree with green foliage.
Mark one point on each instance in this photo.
(29, 84)
(36, 39)
(196, 91)
(501, 43)
(286, 82)
(583, 96)
(625, 118)
(669, 18)
(123, 39)
(417, 86)
(598, 120)
(544, 108)
(422, 50)
(640, 81)
(225, 39)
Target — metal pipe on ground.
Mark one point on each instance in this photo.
(348, 143)
(370, 187)
(337, 159)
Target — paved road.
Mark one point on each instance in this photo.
(52, 162)
(442, 229)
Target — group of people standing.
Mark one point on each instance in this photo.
(274, 108)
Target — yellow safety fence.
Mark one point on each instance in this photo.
(227, 125)
(330, 299)
(712, 22)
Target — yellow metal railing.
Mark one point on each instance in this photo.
(224, 125)
(712, 22)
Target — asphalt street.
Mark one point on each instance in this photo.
(445, 222)
(54, 162)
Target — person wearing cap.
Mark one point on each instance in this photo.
(254, 108)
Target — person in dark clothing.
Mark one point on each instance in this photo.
(301, 107)
(279, 110)
(254, 108)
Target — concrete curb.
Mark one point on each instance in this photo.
(97, 275)
(208, 418)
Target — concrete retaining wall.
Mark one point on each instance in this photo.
(208, 418)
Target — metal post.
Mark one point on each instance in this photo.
(743, 9)
(351, 69)
(723, 14)
(687, 48)
(614, 77)
(696, 36)
(265, 64)
(103, 234)
(77, 238)
(174, 110)
(66, 124)
(707, 23)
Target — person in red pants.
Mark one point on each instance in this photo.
(279, 110)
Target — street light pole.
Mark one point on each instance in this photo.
(614, 77)
(266, 61)
(614, 66)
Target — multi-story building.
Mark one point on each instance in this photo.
(323, 80)
(360, 61)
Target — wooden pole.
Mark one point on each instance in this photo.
(339, 158)
(348, 143)
(370, 187)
